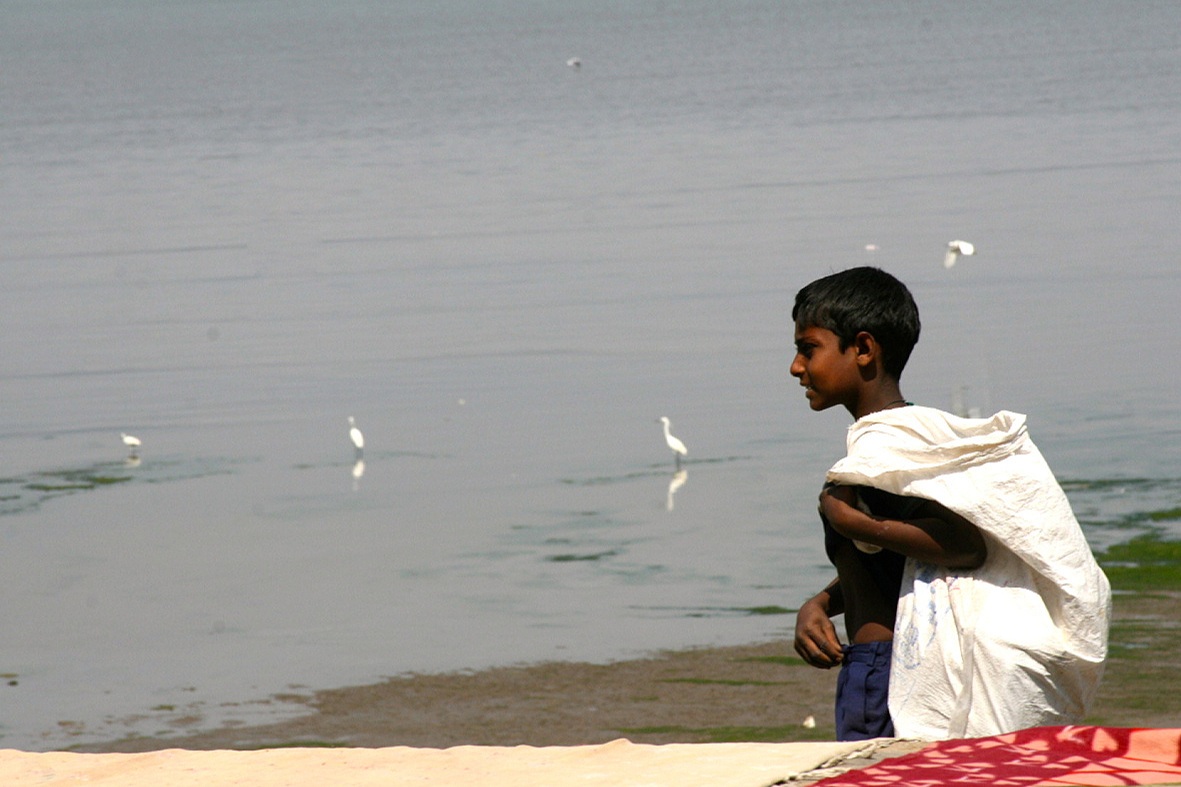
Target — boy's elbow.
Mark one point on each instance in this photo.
(964, 545)
(972, 557)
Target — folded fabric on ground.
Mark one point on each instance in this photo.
(1039, 757)
(1018, 642)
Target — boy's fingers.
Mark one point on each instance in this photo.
(818, 652)
(822, 659)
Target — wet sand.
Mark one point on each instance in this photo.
(755, 693)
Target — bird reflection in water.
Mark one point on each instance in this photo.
(358, 471)
(675, 483)
(960, 404)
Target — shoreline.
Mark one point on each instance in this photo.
(749, 693)
(754, 692)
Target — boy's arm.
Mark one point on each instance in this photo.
(816, 637)
(934, 535)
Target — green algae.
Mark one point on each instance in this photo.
(767, 609)
(725, 682)
(307, 744)
(734, 733)
(786, 661)
(21, 494)
(1146, 563)
(575, 558)
(1144, 639)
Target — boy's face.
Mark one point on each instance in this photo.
(829, 374)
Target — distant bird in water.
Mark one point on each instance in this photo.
(955, 250)
(132, 442)
(356, 436)
(678, 448)
(574, 63)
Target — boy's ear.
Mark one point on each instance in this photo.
(866, 347)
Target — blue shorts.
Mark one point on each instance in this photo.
(862, 689)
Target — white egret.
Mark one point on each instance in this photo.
(678, 448)
(955, 250)
(132, 442)
(356, 436)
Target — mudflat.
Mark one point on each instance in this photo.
(756, 693)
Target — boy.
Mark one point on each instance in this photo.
(972, 603)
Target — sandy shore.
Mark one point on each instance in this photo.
(754, 693)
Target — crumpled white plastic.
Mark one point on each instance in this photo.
(1019, 642)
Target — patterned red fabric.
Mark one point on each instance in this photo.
(1049, 756)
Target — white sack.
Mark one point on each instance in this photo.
(1019, 642)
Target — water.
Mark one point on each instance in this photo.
(228, 226)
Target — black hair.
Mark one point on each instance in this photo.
(863, 299)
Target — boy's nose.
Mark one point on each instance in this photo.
(797, 366)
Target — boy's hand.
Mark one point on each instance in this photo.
(816, 638)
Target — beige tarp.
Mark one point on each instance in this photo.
(617, 764)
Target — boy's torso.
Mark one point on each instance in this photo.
(870, 581)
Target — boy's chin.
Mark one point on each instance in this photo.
(818, 402)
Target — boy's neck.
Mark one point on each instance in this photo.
(884, 397)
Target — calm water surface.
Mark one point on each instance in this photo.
(228, 226)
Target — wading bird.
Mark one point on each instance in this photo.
(132, 442)
(356, 436)
(678, 448)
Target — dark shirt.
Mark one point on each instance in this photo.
(883, 568)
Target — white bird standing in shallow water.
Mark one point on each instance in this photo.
(132, 442)
(678, 448)
(955, 250)
(356, 436)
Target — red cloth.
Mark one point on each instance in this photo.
(1049, 756)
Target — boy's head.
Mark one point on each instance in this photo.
(863, 299)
